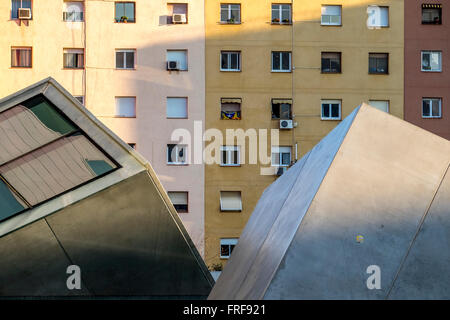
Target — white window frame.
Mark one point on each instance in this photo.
(124, 116)
(227, 242)
(229, 156)
(372, 9)
(330, 102)
(232, 209)
(330, 23)
(430, 116)
(372, 101)
(80, 3)
(125, 58)
(178, 148)
(229, 53)
(279, 7)
(431, 52)
(281, 61)
(228, 9)
(280, 150)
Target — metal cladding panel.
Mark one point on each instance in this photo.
(379, 186)
(273, 224)
(430, 253)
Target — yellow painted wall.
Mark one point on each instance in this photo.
(256, 37)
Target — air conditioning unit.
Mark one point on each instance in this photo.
(286, 124)
(179, 18)
(24, 13)
(281, 170)
(173, 65)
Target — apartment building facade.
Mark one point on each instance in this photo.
(298, 66)
(427, 77)
(114, 57)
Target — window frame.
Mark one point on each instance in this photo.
(280, 156)
(222, 209)
(82, 3)
(387, 63)
(230, 250)
(134, 11)
(388, 18)
(281, 62)
(438, 7)
(134, 51)
(430, 52)
(22, 48)
(32, 15)
(187, 201)
(135, 107)
(431, 108)
(179, 50)
(229, 13)
(330, 72)
(280, 14)
(187, 107)
(170, 21)
(229, 156)
(331, 24)
(379, 100)
(177, 146)
(223, 102)
(229, 63)
(74, 68)
(330, 102)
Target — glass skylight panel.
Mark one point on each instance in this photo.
(42, 155)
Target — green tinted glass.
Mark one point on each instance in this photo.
(8, 203)
(99, 166)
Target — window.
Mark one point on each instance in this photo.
(80, 98)
(230, 201)
(178, 9)
(378, 17)
(18, 4)
(431, 107)
(73, 11)
(44, 156)
(432, 61)
(382, 105)
(331, 16)
(179, 200)
(281, 156)
(124, 12)
(180, 56)
(177, 108)
(331, 62)
(230, 61)
(281, 109)
(281, 61)
(74, 58)
(176, 154)
(21, 57)
(133, 145)
(230, 13)
(226, 247)
(378, 63)
(331, 110)
(230, 156)
(431, 13)
(126, 107)
(230, 108)
(125, 59)
(281, 13)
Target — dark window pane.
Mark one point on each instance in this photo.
(285, 158)
(170, 153)
(426, 108)
(225, 250)
(130, 60)
(426, 61)
(234, 61)
(286, 61)
(235, 157)
(224, 156)
(276, 61)
(9, 203)
(181, 207)
(285, 111)
(223, 13)
(335, 110)
(275, 111)
(224, 61)
(435, 108)
(119, 59)
(325, 110)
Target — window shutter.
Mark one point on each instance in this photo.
(125, 107)
(381, 105)
(180, 56)
(178, 197)
(177, 108)
(230, 201)
(331, 10)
